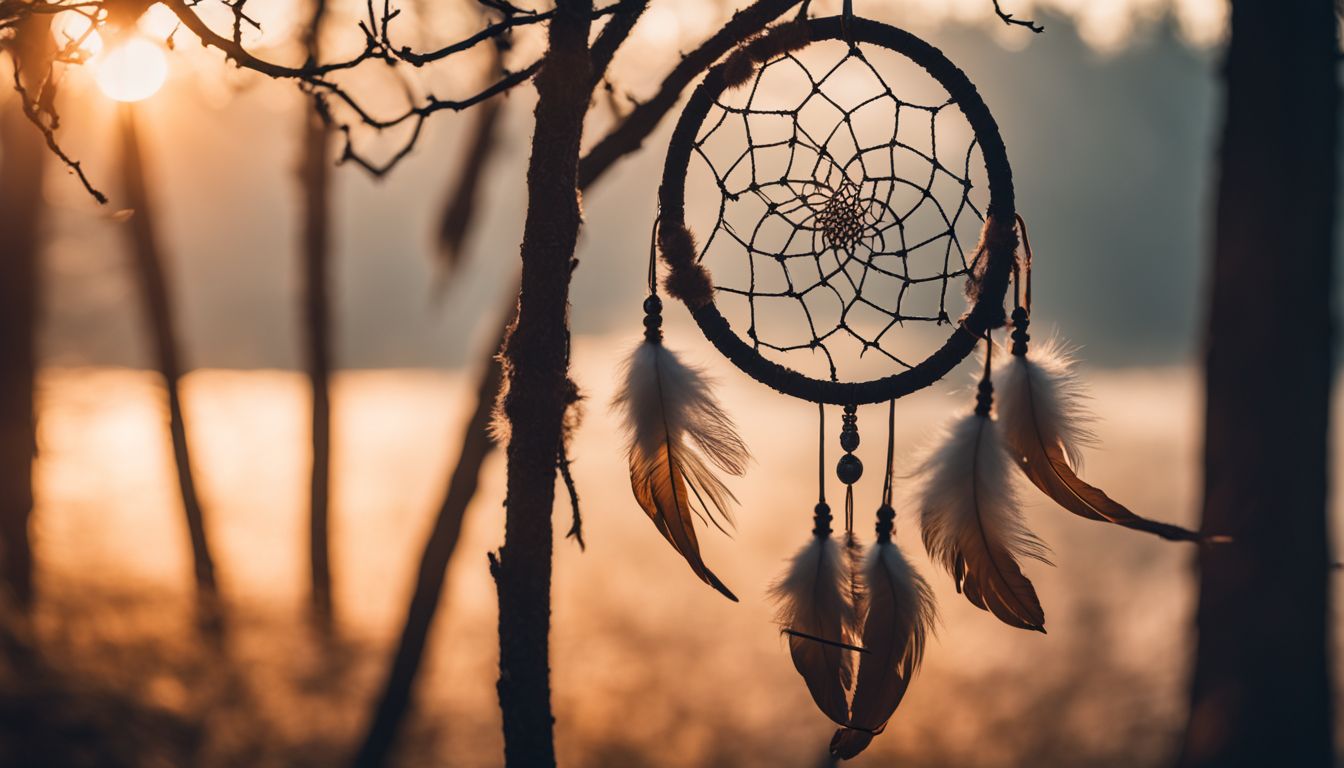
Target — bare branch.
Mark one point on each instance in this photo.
(1011, 20)
(33, 111)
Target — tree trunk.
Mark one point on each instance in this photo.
(536, 363)
(315, 174)
(1262, 683)
(153, 285)
(21, 171)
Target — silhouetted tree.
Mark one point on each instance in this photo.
(314, 175)
(155, 296)
(22, 158)
(1262, 682)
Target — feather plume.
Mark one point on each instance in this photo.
(1044, 425)
(815, 609)
(899, 615)
(677, 431)
(971, 523)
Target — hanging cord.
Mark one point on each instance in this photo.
(984, 395)
(653, 254)
(1022, 294)
(886, 514)
(653, 306)
(849, 469)
(846, 16)
(821, 514)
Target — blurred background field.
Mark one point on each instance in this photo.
(651, 668)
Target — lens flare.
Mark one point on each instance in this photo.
(131, 71)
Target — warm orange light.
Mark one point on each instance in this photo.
(131, 70)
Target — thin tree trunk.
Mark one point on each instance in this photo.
(153, 283)
(395, 698)
(22, 158)
(315, 173)
(1261, 692)
(535, 399)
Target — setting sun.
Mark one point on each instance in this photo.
(131, 71)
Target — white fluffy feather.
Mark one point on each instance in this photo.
(1044, 426)
(813, 598)
(971, 523)
(1041, 393)
(678, 434)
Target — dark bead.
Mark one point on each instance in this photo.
(886, 517)
(850, 469)
(984, 398)
(821, 520)
(653, 305)
(849, 440)
(653, 321)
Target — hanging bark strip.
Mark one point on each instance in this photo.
(535, 366)
(154, 292)
(22, 160)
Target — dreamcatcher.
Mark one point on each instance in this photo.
(852, 185)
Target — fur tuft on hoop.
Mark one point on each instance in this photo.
(687, 279)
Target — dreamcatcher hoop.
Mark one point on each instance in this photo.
(691, 283)
(857, 623)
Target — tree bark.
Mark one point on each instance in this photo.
(315, 179)
(1261, 692)
(21, 173)
(153, 284)
(536, 395)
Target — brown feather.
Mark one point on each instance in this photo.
(1044, 424)
(971, 523)
(900, 612)
(660, 489)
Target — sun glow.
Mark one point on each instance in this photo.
(131, 70)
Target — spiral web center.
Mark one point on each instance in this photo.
(845, 214)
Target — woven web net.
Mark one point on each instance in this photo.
(839, 220)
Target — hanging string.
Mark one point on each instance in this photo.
(1022, 294)
(984, 396)
(653, 255)
(891, 451)
(1026, 252)
(821, 454)
(821, 514)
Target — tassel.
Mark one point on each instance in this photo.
(899, 615)
(815, 610)
(676, 430)
(1044, 426)
(971, 523)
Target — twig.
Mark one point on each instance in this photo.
(1011, 20)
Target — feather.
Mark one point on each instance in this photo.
(815, 609)
(971, 523)
(899, 616)
(1044, 425)
(677, 431)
